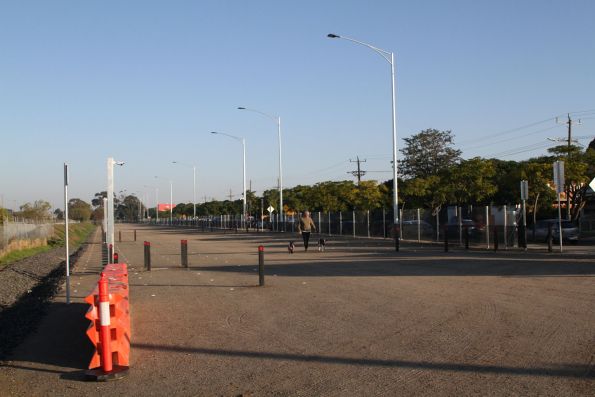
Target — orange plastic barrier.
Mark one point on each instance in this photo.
(109, 330)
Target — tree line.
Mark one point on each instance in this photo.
(432, 174)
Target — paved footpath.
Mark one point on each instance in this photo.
(358, 319)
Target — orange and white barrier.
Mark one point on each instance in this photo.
(109, 330)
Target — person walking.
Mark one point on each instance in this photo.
(305, 227)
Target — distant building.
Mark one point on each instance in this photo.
(165, 207)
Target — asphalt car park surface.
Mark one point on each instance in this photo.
(357, 319)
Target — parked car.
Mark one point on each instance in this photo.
(453, 229)
(410, 228)
(569, 230)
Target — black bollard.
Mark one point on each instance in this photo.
(550, 238)
(397, 237)
(110, 254)
(184, 249)
(445, 239)
(119, 236)
(466, 237)
(135, 235)
(260, 265)
(495, 238)
(148, 255)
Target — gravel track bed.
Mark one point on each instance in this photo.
(26, 287)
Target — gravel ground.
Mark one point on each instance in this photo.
(358, 319)
(26, 287)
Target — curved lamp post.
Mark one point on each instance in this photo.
(243, 141)
(277, 120)
(193, 183)
(390, 58)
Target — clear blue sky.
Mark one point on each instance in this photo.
(145, 82)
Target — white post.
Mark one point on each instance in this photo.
(244, 171)
(110, 205)
(559, 222)
(505, 225)
(418, 227)
(488, 226)
(194, 191)
(319, 222)
(66, 233)
(157, 205)
(340, 223)
(281, 210)
(105, 220)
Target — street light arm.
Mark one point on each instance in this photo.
(184, 164)
(387, 55)
(237, 138)
(274, 118)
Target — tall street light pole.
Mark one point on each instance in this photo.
(390, 58)
(276, 119)
(193, 184)
(156, 202)
(243, 141)
(110, 202)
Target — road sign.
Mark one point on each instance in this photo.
(524, 190)
(271, 208)
(592, 185)
(559, 176)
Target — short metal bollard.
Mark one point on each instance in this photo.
(496, 241)
(260, 265)
(135, 235)
(116, 258)
(148, 255)
(110, 254)
(184, 253)
(119, 236)
(445, 239)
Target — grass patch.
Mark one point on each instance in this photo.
(77, 235)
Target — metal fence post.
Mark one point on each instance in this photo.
(368, 221)
(418, 227)
(353, 221)
(487, 227)
(505, 231)
(340, 223)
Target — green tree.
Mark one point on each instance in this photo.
(470, 181)
(579, 168)
(427, 153)
(79, 210)
(39, 210)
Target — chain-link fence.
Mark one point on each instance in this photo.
(464, 225)
(11, 233)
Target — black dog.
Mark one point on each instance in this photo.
(321, 244)
(290, 247)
